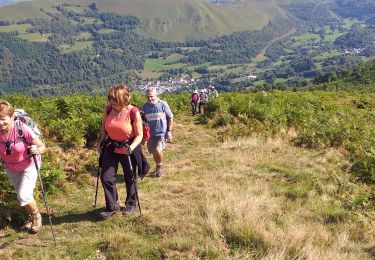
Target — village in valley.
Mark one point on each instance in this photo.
(174, 85)
(181, 83)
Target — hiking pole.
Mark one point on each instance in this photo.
(101, 145)
(134, 176)
(44, 197)
(97, 180)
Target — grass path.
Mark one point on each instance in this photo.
(243, 199)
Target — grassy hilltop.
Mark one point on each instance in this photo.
(169, 19)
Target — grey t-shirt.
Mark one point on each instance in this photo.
(157, 115)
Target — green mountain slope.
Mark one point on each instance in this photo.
(361, 77)
(169, 19)
(364, 74)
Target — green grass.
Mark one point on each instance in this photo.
(326, 55)
(150, 74)
(89, 20)
(154, 65)
(259, 58)
(349, 22)
(21, 28)
(173, 57)
(305, 38)
(228, 70)
(259, 83)
(84, 36)
(106, 30)
(34, 37)
(280, 80)
(78, 46)
(153, 68)
(330, 213)
(332, 37)
(24, 10)
(237, 80)
(76, 9)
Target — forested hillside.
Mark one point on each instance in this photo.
(358, 78)
(112, 52)
(45, 68)
(361, 9)
(88, 46)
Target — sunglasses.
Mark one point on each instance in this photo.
(7, 147)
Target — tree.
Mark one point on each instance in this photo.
(93, 7)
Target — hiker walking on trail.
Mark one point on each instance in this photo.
(203, 99)
(212, 92)
(17, 154)
(194, 102)
(121, 133)
(160, 119)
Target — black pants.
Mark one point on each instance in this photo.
(108, 176)
(194, 108)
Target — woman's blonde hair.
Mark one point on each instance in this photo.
(6, 109)
(120, 94)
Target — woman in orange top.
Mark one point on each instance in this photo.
(118, 131)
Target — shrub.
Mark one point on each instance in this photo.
(214, 107)
(221, 120)
(364, 169)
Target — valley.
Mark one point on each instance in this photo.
(105, 43)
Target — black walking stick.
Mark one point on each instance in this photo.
(134, 176)
(44, 197)
(99, 172)
(97, 180)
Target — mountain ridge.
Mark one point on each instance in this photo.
(169, 19)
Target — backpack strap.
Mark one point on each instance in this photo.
(19, 130)
(133, 114)
(108, 110)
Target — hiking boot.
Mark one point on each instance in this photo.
(106, 214)
(158, 172)
(129, 210)
(28, 223)
(36, 222)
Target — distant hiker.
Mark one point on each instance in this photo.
(203, 98)
(212, 92)
(16, 152)
(194, 102)
(160, 119)
(121, 126)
